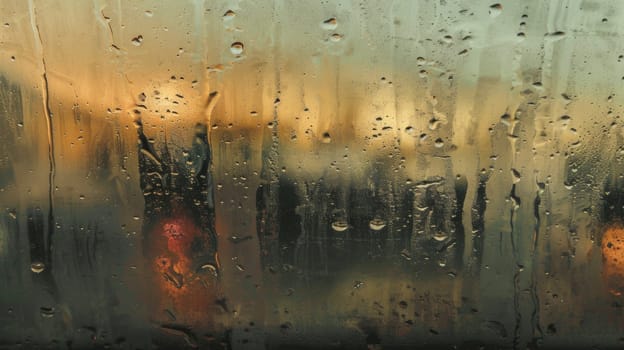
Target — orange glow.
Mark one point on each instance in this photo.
(613, 258)
(181, 282)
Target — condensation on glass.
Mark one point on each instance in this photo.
(302, 174)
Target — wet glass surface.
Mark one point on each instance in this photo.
(311, 175)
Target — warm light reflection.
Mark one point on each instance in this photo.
(184, 282)
(613, 258)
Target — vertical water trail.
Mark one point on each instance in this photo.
(518, 313)
(535, 315)
(515, 203)
(274, 152)
(538, 221)
(49, 127)
(461, 188)
(478, 220)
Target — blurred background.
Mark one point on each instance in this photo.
(311, 175)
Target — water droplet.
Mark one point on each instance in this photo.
(47, 312)
(340, 225)
(229, 14)
(216, 68)
(555, 35)
(440, 236)
(551, 329)
(138, 40)
(420, 61)
(285, 327)
(435, 123)
(495, 10)
(358, 284)
(376, 224)
(439, 143)
(149, 13)
(326, 137)
(210, 268)
(506, 119)
(409, 130)
(237, 48)
(406, 255)
(253, 113)
(336, 37)
(37, 267)
(329, 24)
(516, 175)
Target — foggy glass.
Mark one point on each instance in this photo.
(311, 175)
